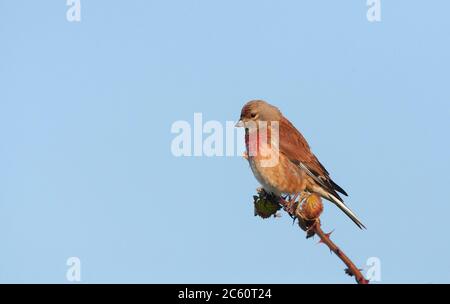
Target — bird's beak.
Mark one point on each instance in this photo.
(239, 124)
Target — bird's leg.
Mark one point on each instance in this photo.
(292, 205)
(292, 201)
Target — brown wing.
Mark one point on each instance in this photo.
(296, 148)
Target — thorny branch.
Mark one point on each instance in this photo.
(306, 210)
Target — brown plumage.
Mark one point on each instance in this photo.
(297, 169)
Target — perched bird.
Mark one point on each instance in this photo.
(297, 169)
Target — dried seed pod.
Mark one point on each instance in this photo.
(311, 208)
(309, 211)
(264, 207)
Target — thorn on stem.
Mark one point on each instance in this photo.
(329, 233)
(350, 272)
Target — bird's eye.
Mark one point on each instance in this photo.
(253, 115)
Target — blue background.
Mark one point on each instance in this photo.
(86, 109)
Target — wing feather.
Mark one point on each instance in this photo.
(296, 149)
(294, 146)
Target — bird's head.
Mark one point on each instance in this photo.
(258, 110)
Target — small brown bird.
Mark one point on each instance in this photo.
(296, 168)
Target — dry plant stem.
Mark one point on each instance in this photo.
(325, 239)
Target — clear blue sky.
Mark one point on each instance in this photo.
(86, 108)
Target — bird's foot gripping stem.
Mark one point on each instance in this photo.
(291, 205)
